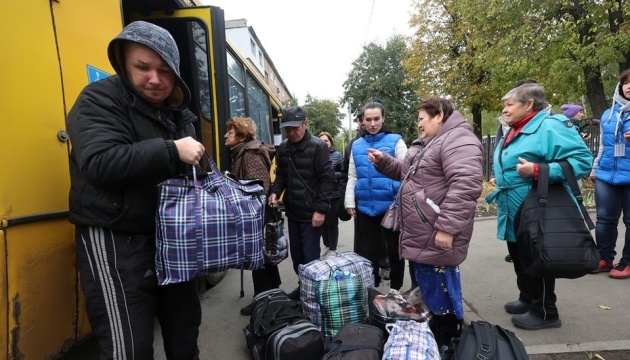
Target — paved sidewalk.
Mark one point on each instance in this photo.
(595, 309)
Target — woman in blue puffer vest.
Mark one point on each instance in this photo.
(375, 192)
(611, 176)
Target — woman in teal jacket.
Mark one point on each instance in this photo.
(534, 137)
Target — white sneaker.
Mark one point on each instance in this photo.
(394, 291)
(325, 251)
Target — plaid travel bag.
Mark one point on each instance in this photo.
(207, 225)
(313, 273)
(410, 340)
(341, 300)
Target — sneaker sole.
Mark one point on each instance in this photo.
(597, 271)
(622, 277)
(551, 325)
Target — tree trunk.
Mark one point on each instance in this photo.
(595, 90)
(476, 113)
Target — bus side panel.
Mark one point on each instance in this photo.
(38, 298)
(84, 29)
(42, 290)
(3, 296)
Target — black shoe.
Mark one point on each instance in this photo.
(295, 294)
(516, 307)
(248, 310)
(508, 258)
(528, 321)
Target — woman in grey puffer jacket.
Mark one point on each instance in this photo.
(442, 177)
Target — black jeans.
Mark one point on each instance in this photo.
(266, 278)
(538, 292)
(330, 229)
(373, 234)
(122, 297)
(303, 243)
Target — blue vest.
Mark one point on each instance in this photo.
(374, 191)
(611, 169)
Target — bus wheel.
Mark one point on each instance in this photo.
(205, 283)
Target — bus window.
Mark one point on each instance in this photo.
(236, 87)
(258, 106)
(201, 58)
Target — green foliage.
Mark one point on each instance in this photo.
(378, 72)
(323, 115)
(473, 51)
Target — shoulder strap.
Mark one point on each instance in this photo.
(568, 174)
(543, 192)
(486, 348)
(517, 345)
(300, 177)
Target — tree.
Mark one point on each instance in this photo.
(323, 115)
(475, 50)
(448, 54)
(378, 72)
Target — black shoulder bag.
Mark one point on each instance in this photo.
(552, 233)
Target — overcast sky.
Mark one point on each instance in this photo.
(313, 43)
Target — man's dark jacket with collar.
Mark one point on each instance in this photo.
(312, 161)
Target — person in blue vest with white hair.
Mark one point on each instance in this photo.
(370, 193)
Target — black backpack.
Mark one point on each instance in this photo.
(552, 233)
(278, 327)
(482, 340)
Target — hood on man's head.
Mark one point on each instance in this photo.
(570, 110)
(157, 39)
(293, 117)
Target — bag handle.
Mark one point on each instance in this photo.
(485, 348)
(517, 346)
(568, 174)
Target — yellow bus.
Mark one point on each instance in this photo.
(50, 51)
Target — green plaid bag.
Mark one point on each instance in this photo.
(341, 301)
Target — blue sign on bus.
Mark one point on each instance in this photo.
(95, 74)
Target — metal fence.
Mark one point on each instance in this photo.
(488, 142)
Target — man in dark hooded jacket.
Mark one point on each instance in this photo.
(129, 132)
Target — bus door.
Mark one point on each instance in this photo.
(200, 36)
(43, 65)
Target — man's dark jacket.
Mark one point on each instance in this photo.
(312, 160)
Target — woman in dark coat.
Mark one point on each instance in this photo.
(251, 159)
(330, 230)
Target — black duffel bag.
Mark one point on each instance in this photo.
(482, 340)
(552, 232)
(356, 341)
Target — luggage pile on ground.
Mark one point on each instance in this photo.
(341, 315)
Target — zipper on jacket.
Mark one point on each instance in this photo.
(420, 213)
